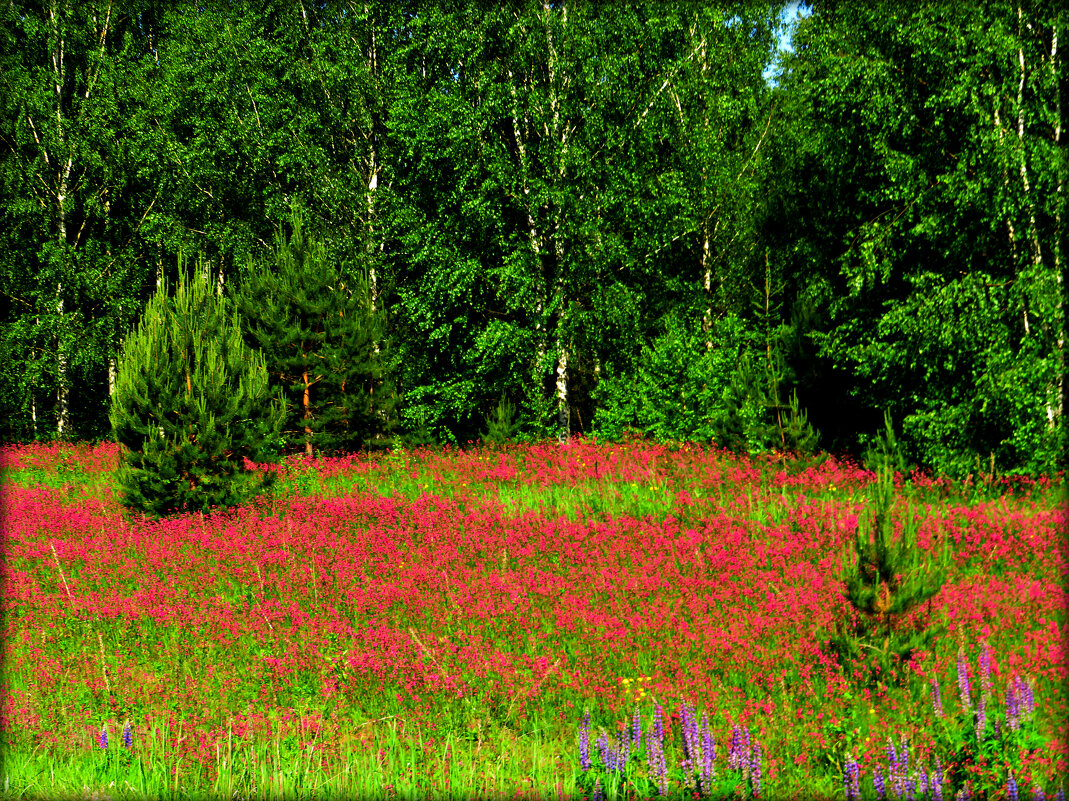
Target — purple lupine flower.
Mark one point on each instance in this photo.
(981, 717)
(1011, 788)
(607, 754)
(903, 755)
(690, 743)
(658, 723)
(1037, 793)
(910, 787)
(127, 735)
(584, 743)
(599, 795)
(104, 736)
(1013, 708)
(878, 783)
(963, 680)
(690, 733)
(935, 781)
(707, 769)
(1029, 698)
(937, 698)
(623, 751)
(636, 730)
(922, 781)
(851, 777)
(735, 749)
(1060, 796)
(985, 670)
(658, 766)
(755, 770)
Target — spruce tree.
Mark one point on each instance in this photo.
(322, 342)
(191, 404)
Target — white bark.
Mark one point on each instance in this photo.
(62, 391)
(1033, 233)
(1056, 414)
(560, 134)
(563, 414)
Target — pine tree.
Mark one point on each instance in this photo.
(502, 425)
(323, 344)
(191, 403)
(889, 580)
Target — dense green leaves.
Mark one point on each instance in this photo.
(552, 203)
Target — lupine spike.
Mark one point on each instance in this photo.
(1029, 698)
(127, 735)
(708, 754)
(755, 770)
(878, 783)
(104, 736)
(1011, 788)
(981, 717)
(963, 679)
(985, 670)
(584, 743)
(937, 699)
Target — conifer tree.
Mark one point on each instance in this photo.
(889, 580)
(322, 342)
(191, 404)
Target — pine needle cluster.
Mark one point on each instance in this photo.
(192, 403)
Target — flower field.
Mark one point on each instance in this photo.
(441, 623)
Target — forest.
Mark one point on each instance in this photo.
(446, 222)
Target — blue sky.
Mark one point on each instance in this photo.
(793, 12)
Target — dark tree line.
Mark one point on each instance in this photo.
(598, 213)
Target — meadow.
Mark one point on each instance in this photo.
(487, 622)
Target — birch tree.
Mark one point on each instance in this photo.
(71, 73)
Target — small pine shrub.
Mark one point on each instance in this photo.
(888, 580)
(191, 404)
(502, 425)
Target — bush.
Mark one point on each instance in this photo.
(680, 388)
(191, 405)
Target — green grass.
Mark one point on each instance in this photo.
(484, 745)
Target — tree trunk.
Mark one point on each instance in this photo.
(1055, 416)
(307, 404)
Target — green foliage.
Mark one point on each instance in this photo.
(192, 403)
(886, 453)
(322, 341)
(888, 580)
(680, 387)
(502, 425)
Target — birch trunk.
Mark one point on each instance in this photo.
(373, 170)
(1056, 416)
(560, 135)
(63, 171)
